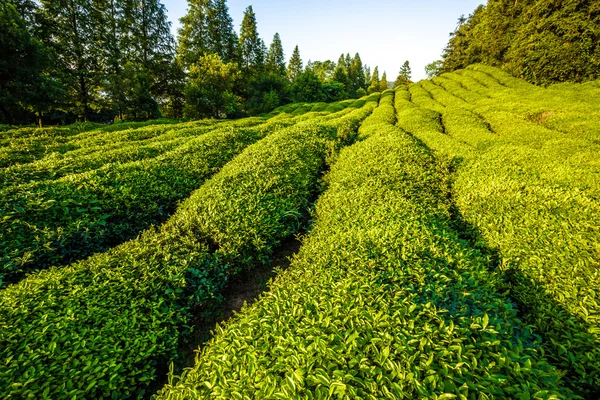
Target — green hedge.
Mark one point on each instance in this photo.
(24, 145)
(531, 195)
(384, 300)
(100, 328)
(93, 151)
(61, 221)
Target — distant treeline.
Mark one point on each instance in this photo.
(542, 41)
(100, 60)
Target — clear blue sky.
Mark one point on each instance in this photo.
(385, 33)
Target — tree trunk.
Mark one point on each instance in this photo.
(39, 119)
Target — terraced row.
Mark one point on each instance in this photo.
(529, 193)
(104, 327)
(103, 200)
(384, 299)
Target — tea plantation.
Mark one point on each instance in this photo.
(450, 249)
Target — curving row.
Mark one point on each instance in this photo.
(105, 327)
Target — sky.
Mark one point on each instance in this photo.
(385, 33)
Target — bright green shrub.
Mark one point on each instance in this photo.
(61, 221)
(530, 194)
(104, 326)
(384, 300)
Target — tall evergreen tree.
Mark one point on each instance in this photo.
(404, 77)
(221, 37)
(252, 48)
(341, 63)
(356, 74)
(383, 83)
(23, 60)
(73, 28)
(341, 76)
(275, 57)
(194, 39)
(295, 66)
(374, 85)
(347, 62)
(153, 47)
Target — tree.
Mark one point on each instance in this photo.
(252, 48)
(209, 91)
(73, 27)
(341, 76)
(463, 48)
(307, 88)
(374, 85)
(193, 34)
(221, 37)
(323, 69)
(207, 28)
(433, 68)
(383, 84)
(152, 47)
(333, 91)
(295, 66)
(275, 57)
(23, 61)
(404, 75)
(356, 74)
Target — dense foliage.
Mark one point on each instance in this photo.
(526, 161)
(384, 299)
(137, 297)
(541, 41)
(90, 60)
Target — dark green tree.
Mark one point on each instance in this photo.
(193, 36)
(341, 76)
(404, 76)
(383, 83)
(209, 90)
(222, 39)
(24, 85)
(356, 74)
(275, 58)
(374, 84)
(73, 28)
(252, 48)
(295, 66)
(333, 91)
(307, 87)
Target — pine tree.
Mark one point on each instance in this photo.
(356, 74)
(295, 66)
(153, 46)
(340, 75)
(194, 39)
(342, 62)
(374, 85)
(252, 48)
(383, 84)
(404, 75)
(275, 58)
(221, 38)
(23, 60)
(72, 30)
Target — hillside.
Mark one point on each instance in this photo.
(450, 248)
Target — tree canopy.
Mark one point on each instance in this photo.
(541, 41)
